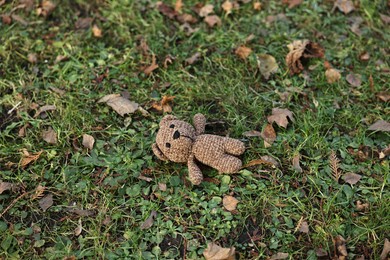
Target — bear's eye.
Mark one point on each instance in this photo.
(168, 145)
(172, 126)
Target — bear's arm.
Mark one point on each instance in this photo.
(194, 173)
(199, 123)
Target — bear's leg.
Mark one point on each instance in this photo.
(227, 164)
(194, 173)
(233, 146)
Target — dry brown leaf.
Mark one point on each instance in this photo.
(334, 165)
(259, 162)
(120, 104)
(212, 20)
(83, 23)
(6, 19)
(88, 141)
(194, 58)
(164, 105)
(332, 75)
(78, 229)
(28, 158)
(186, 18)
(4, 186)
(162, 186)
(166, 10)
(47, 7)
(178, 5)
(386, 250)
(50, 136)
(365, 56)
(215, 252)
(19, 19)
(341, 248)
(361, 206)
(142, 177)
(83, 212)
(60, 58)
(384, 96)
(32, 58)
(293, 3)
(345, 6)
(351, 178)
(252, 133)
(279, 116)
(229, 202)
(227, 6)
(354, 79)
(149, 221)
(280, 255)
(321, 252)
(257, 6)
(243, 52)
(385, 18)
(22, 130)
(206, 10)
(96, 31)
(267, 65)
(44, 109)
(295, 162)
(149, 69)
(304, 227)
(380, 125)
(46, 202)
(269, 135)
(301, 50)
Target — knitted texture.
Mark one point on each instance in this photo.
(178, 141)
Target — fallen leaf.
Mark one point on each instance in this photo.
(212, 20)
(22, 130)
(83, 23)
(385, 152)
(345, 6)
(142, 177)
(301, 50)
(380, 125)
(186, 18)
(46, 202)
(32, 58)
(355, 27)
(351, 178)
(386, 250)
(332, 75)
(269, 135)
(252, 133)
(365, 56)
(149, 69)
(162, 186)
(194, 58)
(166, 10)
(88, 141)
(60, 58)
(96, 31)
(341, 248)
(385, 18)
(279, 116)
(50, 136)
(58, 91)
(280, 256)
(384, 96)
(267, 161)
(304, 227)
(19, 19)
(295, 162)
(361, 206)
(149, 221)
(321, 252)
(178, 5)
(83, 212)
(6, 19)
(120, 104)
(257, 6)
(243, 52)
(354, 79)
(47, 7)
(229, 202)
(227, 6)
(78, 229)
(215, 252)
(44, 109)
(164, 105)
(28, 158)
(293, 3)
(4, 186)
(267, 65)
(28, 4)
(206, 10)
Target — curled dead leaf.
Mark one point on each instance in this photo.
(166, 10)
(269, 135)
(164, 105)
(280, 255)
(332, 75)
(162, 186)
(227, 6)
(292, 3)
(50, 136)
(229, 202)
(384, 96)
(83, 23)
(304, 227)
(149, 221)
(279, 116)
(88, 141)
(44, 109)
(354, 79)
(380, 125)
(215, 252)
(28, 158)
(96, 31)
(301, 50)
(351, 178)
(46, 8)
(120, 104)
(32, 58)
(267, 65)
(243, 52)
(345, 6)
(194, 58)
(206, 10)
(257, 6)
(46, 202)
(149, 69)
(4, 186)
(6, 19)
(295, 162)
(361, 206)
(78, 229)
(386, 250)
(213, 20)
(178, 5)
(340, 245)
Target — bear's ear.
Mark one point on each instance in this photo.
(159, 153)
(166, 119)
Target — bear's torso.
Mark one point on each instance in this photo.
(208, 148)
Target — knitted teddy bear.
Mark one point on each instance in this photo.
(178, 141)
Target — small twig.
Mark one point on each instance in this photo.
(13, 203)
(15, 107)
(334, 165)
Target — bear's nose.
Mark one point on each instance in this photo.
(176, 135)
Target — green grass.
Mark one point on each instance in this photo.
(227, 90)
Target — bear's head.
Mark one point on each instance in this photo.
(174, 140)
